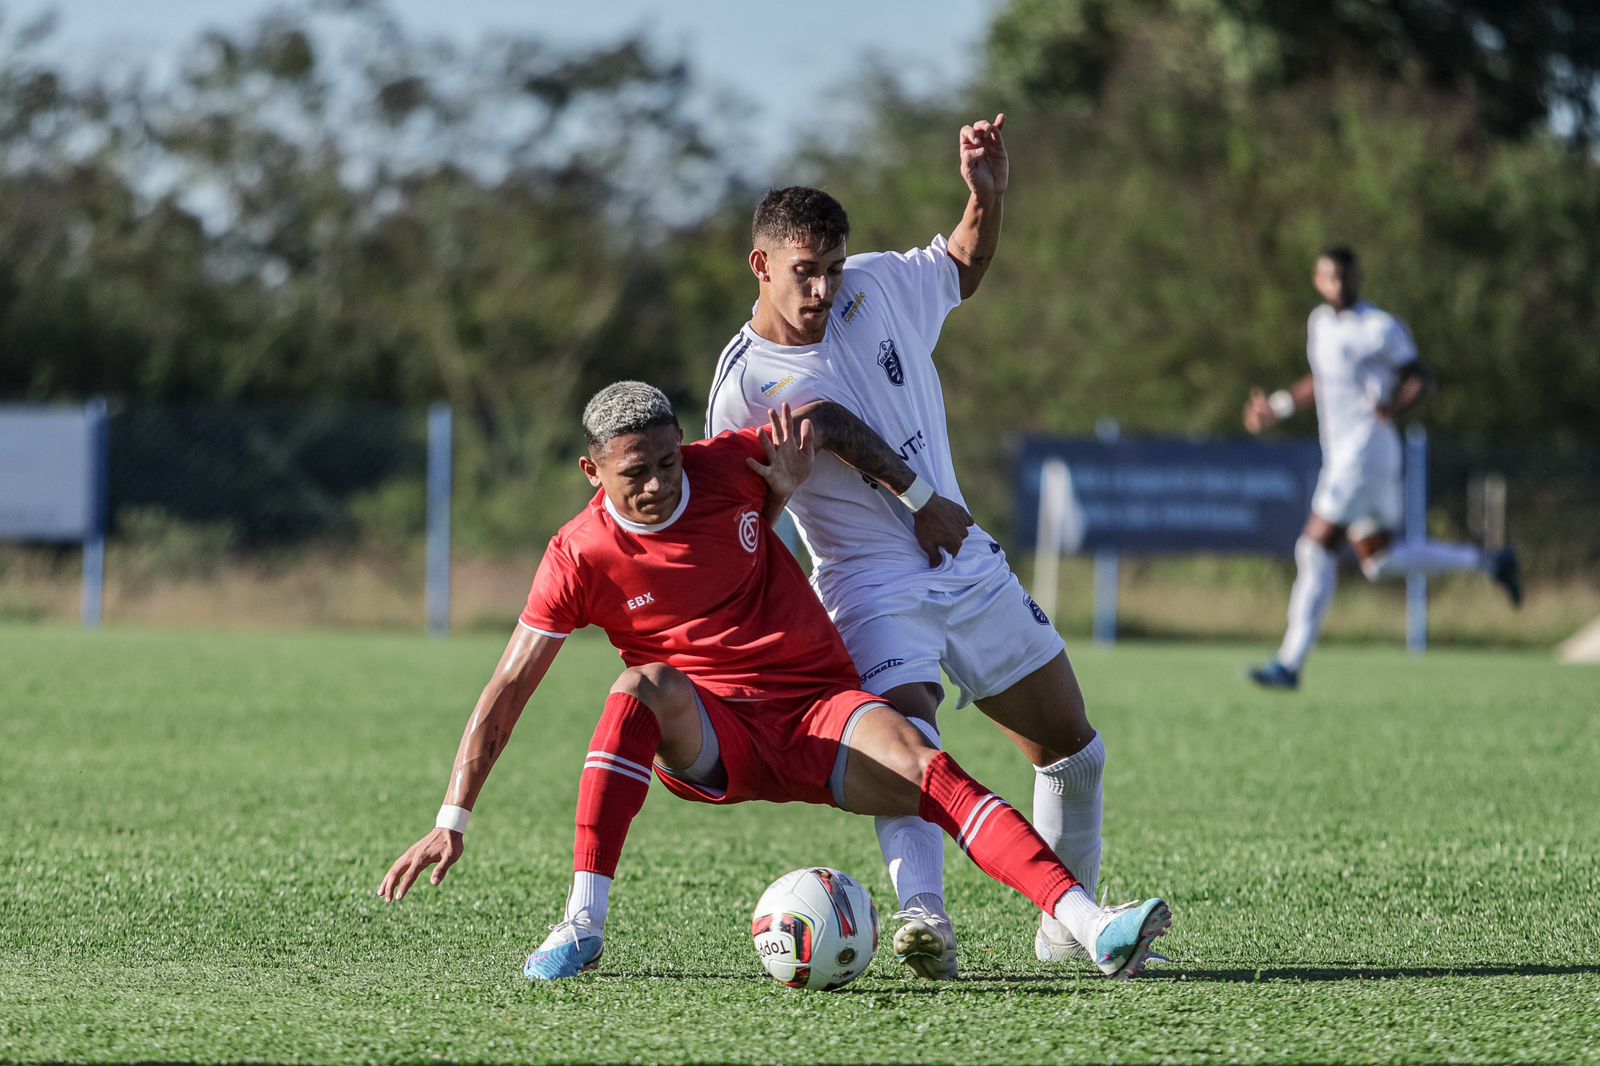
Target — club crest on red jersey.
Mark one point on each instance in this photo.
(889, 359)
(749, 531)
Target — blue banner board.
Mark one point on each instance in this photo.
(1160, 496)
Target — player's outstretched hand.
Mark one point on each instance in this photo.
(941, 524)
(440, 849)
(1258, 413)
(790, 453)
(984, 165)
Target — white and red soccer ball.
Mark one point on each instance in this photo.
(815, 928)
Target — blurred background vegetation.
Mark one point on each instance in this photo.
(506, 227)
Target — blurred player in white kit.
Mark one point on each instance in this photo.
(849, 343)
(1364, 374)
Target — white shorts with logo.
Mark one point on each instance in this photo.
(1361, 499)
(987, 637)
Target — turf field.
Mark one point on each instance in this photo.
(1399, 863)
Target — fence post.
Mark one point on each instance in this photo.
(441, 442)
(1416, 499)
(94, 541)
(1106, 563)
(1053, 502)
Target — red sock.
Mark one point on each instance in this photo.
(993, 834)
(615, 781)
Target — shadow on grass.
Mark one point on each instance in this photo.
(1353, 972)
(1051, 983)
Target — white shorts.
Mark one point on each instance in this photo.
(987, 637)
(1363, 501)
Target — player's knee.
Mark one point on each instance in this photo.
(656, 685)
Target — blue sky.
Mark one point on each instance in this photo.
(932, 44)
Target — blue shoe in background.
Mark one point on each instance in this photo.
(1275, 675)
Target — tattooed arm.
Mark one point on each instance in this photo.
(940, 524)
(527, 657)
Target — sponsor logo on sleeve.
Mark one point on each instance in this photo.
(853, 308)
(889, 359)
(636, 602)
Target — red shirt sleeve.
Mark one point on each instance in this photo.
(555, 602)
(736, 445)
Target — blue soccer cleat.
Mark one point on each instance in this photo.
(573, 947)
(1122, 936)
(1275, 675)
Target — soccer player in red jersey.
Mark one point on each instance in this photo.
(737, 685)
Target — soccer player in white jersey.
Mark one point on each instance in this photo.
(848, 341)
(1364, 374)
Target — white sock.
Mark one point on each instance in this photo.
(590, 892)
(1067, 810)
(1078, 912)
(1426, 557)
(1316, 576)
(912, 848)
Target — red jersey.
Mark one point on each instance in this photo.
(712, 591)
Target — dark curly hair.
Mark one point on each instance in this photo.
(800, 215)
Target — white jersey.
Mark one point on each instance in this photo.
(1355, 357)
(876, 360)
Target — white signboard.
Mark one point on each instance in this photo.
(47, 473)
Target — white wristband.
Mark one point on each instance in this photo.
(453, 818)
(1282, 403)
(917, 495)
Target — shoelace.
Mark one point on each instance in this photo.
(920, 914)
(577, 928)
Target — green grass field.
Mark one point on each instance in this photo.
(1397, 864)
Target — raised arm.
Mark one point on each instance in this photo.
(940, 524)
(986, 170)
(1264, 411)
(523, 665)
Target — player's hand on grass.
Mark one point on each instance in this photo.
(984, 165)
(791, 452)
(941, 525)
(1258, 413)
(439, 849)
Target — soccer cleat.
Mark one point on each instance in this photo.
(1507, 573)
(1122, 936)
(1054, 943)
(573, 947)
(926, 943)
(1275, 675)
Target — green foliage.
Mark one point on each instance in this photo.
(325, 209)
(193, 876)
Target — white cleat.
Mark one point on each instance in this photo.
(926, 943)
(1055, 943)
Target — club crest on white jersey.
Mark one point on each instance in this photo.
(889, 359)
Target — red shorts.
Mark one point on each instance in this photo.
(781, 751)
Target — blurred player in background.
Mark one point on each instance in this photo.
(737, 686)
(849, 342)
(1364, 374)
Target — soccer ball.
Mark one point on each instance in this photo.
(815, 928)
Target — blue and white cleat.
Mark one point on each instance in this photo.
(1122, 936)
(1275, 675)
(573, 947)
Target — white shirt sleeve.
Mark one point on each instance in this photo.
(1398, 347)
(922, 285)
